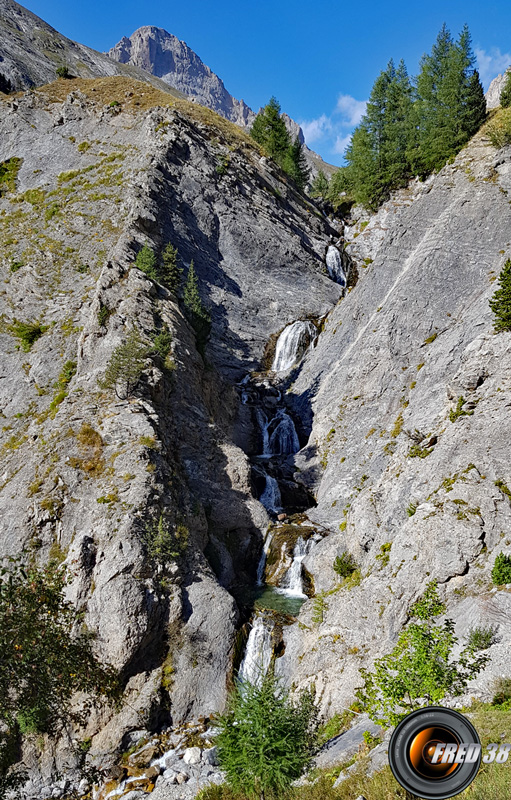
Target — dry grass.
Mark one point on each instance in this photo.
(133, 96)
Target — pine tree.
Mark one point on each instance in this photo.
(319, 186)
(295, 164)
(170, 273)
(505, 95)
(146, 261)
(125, 366)
(270, 131)
(500, 303)
(196, 312)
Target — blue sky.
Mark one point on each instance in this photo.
(319, 58)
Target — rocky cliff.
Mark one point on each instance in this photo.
(164, 55)
(494, 91)
(96, 169)
(408, 451)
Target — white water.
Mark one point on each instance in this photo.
(292, 584)
(271, 498)
(263, 425)
(264, 556)
(292, 343)
(334, 265)
(258, 652)
(284, 440)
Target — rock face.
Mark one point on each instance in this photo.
(164, 55)
(86, 476)
(31, 51)
(494, 91)
(408, 450)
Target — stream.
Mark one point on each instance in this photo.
(281, 584)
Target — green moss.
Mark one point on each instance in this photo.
(416, 451)
(431, 338)
(504, 489)
(83, 147)
(384, 554)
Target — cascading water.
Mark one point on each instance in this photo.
(284, 439)
(264, 556)
(270, 498)
(292, 583)
(264, 423)
(334, 265)
(292, 343)
(258, 651)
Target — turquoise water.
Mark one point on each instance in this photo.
(269, 597)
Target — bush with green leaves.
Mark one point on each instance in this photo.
(125, 367)
(344, 565)
(165, 542)
(501, 572)
(266, 740)
(162, 343)
(47, 657)
(63, 72)
(147, 262)
(420, 670)
(500, 303)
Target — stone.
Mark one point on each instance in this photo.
(192, 755)
(181, 777)
(210, 756)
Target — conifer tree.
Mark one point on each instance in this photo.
(146, 261)
(319, 186)
(505, 95)
(295, 164)
(170, 272)
(270, 131)
(500, 303)
(196, 312)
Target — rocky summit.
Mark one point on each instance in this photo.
(350, 397)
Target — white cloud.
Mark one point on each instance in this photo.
(315, 129)
(334, 131)
(341, 144)
(351, 110)
(491, 63)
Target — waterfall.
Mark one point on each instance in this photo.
(292, 583)
(284, 440)
(270, 498)
(258, 652)
(334, 266)
(292, 343)
(264, 556)
(263, 425)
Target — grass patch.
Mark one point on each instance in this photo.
(8, 174)
(27, 333)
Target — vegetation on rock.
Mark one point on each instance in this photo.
(266, 740)
(46, 658)
(412, 127)
(500, 303)
(195, 310)
(420, 670)
(501, 572)
(269, 130)
(125, 366)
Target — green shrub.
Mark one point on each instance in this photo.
(319, 608)
(420, 670)
(165, 542)
(8, 174)
(416, 451)
(103, 315)
(481, 638)
(27, 332)
(411, 509)
(500, 303)
(501, 572)
(46, 656)
(125, 367)
(266, 740)
(344, 565)
(63, 72)
(195, 310)
(502, 696)
(16, 265)
(384, 554)
(458, 412)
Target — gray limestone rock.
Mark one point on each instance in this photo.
(495, 90)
